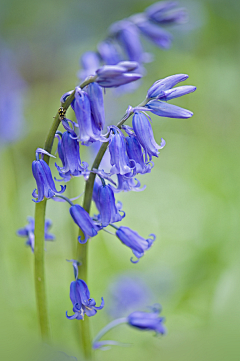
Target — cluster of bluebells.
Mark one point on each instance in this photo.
(124, 38)
(131, 147)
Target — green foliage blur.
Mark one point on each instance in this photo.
(192, 199)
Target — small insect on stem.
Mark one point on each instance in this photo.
(61, 112)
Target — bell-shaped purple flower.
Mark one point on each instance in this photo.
(90, 63)
(105, 202)
(147, 321)
(153, 32)
(68, 151)
(134, 151)
(128, 36)
(95, 97)
(126, 184)
(108, 52)
(143, 130)
(88, 129)
(134, 241)
(163, 12)
(167, 110)
(118, 155)
(122, 73)
(160, 89)
(28, 231)
(84, 222)
(82, 303)
(43, 176)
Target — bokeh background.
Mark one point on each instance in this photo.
(192, 199)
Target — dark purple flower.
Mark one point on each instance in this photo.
(153, 32)
(109, 52)
(84, 221)
(143, 130)
(122, 73)
(43, 176)
(128, 36)
(163, 12)
(88, 130)
(82, 303)
(95, 97)
(126, 184)
(118, 155)
(28, 231)
(90, 63)
(134, 241)
(68, 151)
(147, 321)
(105, 202)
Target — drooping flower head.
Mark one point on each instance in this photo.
(88, 130)
(134, 241)
(144, 133)
(28, 231)
(110, 76)
(147, 321)
(84, 221)
(95, 97)
(82, 303)
(68, 151)
(118, 153)
(135, 152)
(162, 91)
(43, 176)
(103, 196)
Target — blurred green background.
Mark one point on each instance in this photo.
(192, 199)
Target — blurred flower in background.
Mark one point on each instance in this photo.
(12, 96)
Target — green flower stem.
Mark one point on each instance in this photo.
(40, 210)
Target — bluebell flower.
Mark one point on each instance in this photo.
(143, 130)
(164, 12)
(68, 151)
(162, 89)
(43, 176)
(134, 241)
(84, 222)
(28, 231)
(153, 32)
(126, 184)
(95, 97)
(90, 63)
(88, 130)
(109, 76)
(128, 36)
(135, 153)
(82, 303)
(118, 153)
(147, 321)
(105, 202)
(109, 52)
